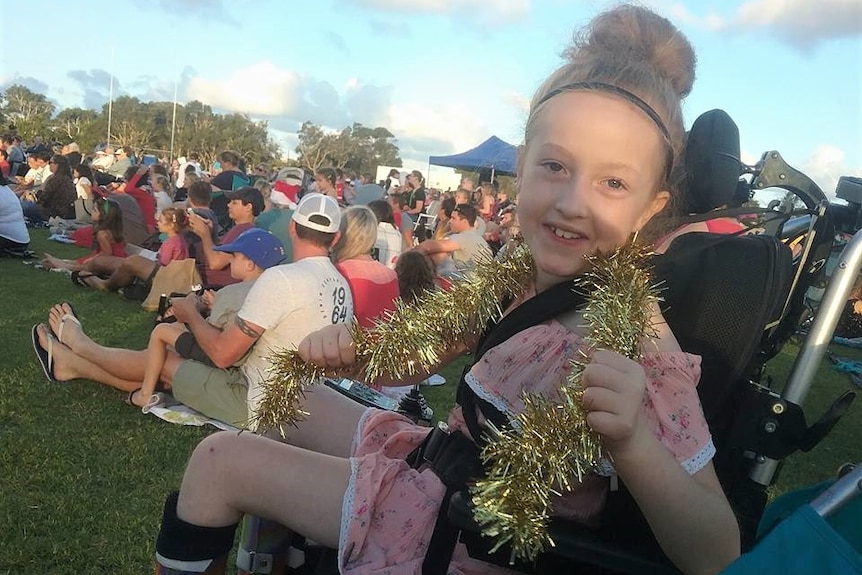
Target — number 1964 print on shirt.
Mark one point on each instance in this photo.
(333, 300)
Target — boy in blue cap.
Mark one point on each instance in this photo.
(254, 251)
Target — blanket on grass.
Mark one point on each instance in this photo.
(165, 407)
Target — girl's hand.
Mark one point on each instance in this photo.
(331, 346)
(208, 298)
(613, 395)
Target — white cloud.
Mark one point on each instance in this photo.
(29, 82)
(680, 13)
(262, 89)
(749, 158)
(437, 129)
(499, 10)
(214, 10)
(288, 142)
(800, 23)
(826, 165)
(286, 99)
(520, 102)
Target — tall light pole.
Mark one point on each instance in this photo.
(110, 100)
(174, 118)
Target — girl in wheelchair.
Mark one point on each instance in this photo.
(601, 157)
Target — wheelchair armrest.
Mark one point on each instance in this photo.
(572, 542)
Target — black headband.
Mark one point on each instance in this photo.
(625, 94)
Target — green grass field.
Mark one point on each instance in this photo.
(83, 476)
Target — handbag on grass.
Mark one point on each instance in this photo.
(179, 276)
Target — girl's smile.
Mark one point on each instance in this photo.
(588, 180)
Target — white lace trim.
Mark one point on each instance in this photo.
(697, 462)
(360, 426)
(347, 513)
(498, 403)
(692, 465)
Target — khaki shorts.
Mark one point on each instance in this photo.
(217, 393)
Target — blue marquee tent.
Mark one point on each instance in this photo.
(493, 154)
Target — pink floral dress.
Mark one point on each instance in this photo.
(390, 509)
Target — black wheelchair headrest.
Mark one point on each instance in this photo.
(712, 162)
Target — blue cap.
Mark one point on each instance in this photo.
(258, 245)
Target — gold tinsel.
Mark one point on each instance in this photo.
(550, 444)
(409, 340)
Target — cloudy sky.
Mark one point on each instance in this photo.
(443, 75)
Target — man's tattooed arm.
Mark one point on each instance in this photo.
(246, 328)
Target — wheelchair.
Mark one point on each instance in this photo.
(750, 298)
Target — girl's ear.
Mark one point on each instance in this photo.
(656, 205)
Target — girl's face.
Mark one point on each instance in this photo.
(587, 180)
(323, 183)
(165, 225)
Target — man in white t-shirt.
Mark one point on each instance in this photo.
(460, 251)
(287, 303)
(37, 174)
(104, 159)
(193, 160)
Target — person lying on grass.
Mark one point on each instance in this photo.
(253, 251)
(76, 356)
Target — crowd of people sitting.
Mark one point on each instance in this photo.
(278, 254)
(285, 259)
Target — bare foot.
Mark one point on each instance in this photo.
(96, 282)
(138, 399)
(72, 333)
(48, 261)
(63, 357)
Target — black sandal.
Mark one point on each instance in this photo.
(131, 396)
(79, 279)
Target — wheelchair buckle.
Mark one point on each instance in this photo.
(253, 562)
(436, 440)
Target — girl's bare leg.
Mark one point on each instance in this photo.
(162, 336)
(50, 262)
(130, 268)
(232, 474)
(104, 265)
(329, 428)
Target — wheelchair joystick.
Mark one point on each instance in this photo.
(414, 406)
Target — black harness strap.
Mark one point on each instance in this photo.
(544, 306)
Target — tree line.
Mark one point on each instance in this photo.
(146, 126)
